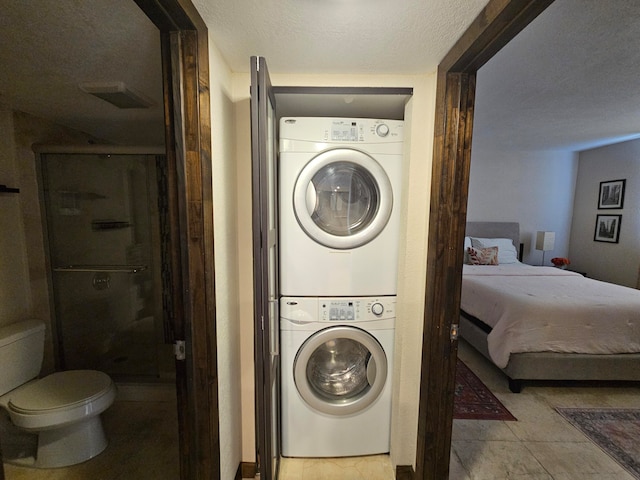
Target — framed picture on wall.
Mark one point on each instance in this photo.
(607, 228)
(611, 194)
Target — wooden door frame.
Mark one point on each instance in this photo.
(185, 59)
(498, 23)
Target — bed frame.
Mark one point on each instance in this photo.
(543, 365)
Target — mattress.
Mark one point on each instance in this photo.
(545, 309)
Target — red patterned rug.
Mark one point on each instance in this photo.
(614, 430)
(473, 400)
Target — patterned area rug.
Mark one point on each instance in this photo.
(616, 431)
(473, 400)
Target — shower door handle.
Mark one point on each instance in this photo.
(101, 268)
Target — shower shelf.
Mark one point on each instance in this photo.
(5, 189)
(109, 224)
(101, 268)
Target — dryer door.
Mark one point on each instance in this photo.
(343, 198)
(340, 370)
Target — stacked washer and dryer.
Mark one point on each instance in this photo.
(339, 182)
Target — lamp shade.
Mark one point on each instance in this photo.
(545, 241)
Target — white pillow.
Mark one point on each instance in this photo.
(507, 253)
(467, 245)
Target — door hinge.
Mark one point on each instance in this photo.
(454, 331)
(179, 350)
(262, 323)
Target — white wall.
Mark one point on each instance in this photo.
(535, 189)
(616, 263)
(413, 249)
(226, 262)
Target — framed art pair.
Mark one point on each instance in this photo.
(610, 197)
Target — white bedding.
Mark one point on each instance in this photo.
(536, 309)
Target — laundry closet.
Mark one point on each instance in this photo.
(327, 181)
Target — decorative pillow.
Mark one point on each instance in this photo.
(507, 252)
(483, 256)
(467, 244)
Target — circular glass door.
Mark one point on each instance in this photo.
(340, 370)
(343, 198)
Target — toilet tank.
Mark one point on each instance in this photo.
(21, 353)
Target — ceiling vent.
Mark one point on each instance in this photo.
(118, 94)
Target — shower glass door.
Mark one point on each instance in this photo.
(105, 254)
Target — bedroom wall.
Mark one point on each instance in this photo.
(533, 188)
(616, 263)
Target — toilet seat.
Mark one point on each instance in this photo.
(60, 399)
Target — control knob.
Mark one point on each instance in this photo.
(382, 130)
(377, 308)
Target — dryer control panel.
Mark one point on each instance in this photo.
(363, 130)
(339, 131)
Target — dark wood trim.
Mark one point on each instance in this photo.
(199, 249)
(171, 15)
(246, 470)
(404, 472)
(497, 24)
(174, 193)
(184, 40)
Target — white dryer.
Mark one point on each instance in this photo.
(337, 359)
(339, 182)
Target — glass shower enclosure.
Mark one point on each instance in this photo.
(104, 229)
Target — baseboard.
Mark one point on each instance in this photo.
(246, 470)
(404, 472)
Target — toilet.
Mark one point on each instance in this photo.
(61, 411)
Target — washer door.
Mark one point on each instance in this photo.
(342, 198)
(340, 370)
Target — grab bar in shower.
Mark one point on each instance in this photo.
(101, 268)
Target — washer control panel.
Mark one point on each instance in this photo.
(359, 309)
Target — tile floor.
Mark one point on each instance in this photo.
(374, 467)
(541, 445)
(142, 445)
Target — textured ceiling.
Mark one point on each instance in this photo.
(569, 81)
(338, 36)
(48, 48)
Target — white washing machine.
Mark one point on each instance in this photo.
(337, 359)
(339, 181)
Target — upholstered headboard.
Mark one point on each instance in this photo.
(495, 230)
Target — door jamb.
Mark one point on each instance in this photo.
(498, 23)
(185, 55)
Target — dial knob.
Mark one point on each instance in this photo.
(377, 308)
(382, 130)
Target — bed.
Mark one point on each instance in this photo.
(544, 323)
